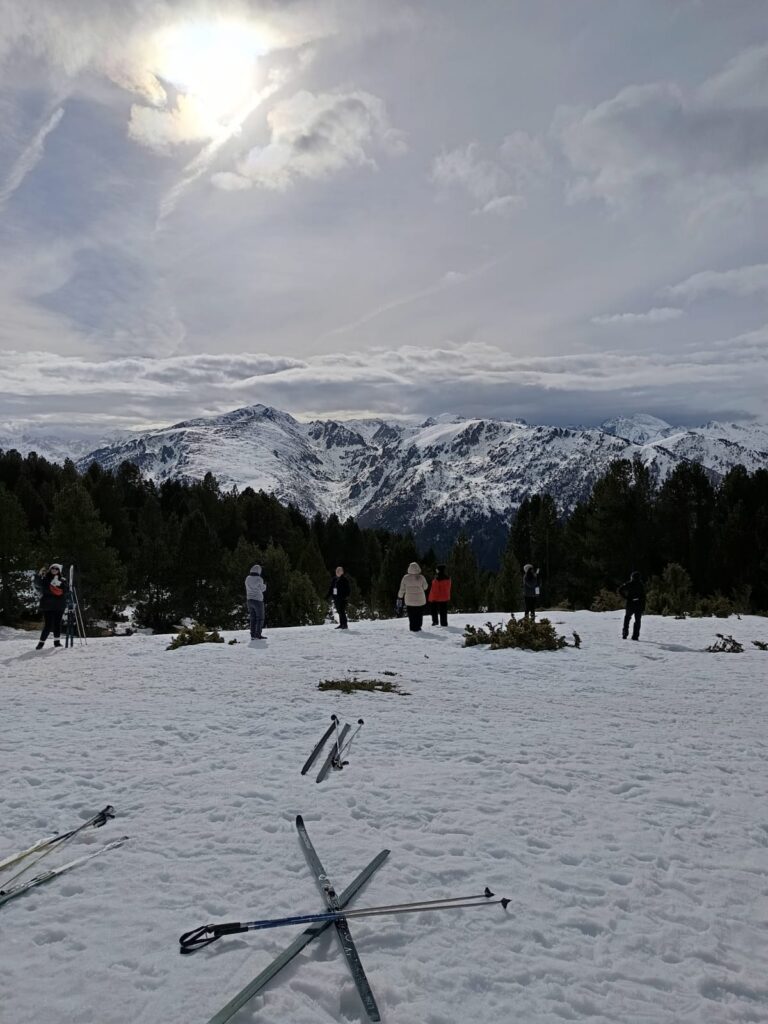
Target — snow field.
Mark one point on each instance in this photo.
(616, 793)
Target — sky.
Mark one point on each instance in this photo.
(543, 209)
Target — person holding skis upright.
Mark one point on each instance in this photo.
(53, 589)
(439, 596)
(530, 591)
(413, 592)
(254, 596)
(338, 592)
(633, 591)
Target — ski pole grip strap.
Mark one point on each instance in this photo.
(204, 936)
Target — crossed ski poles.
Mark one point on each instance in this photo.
(335, 915)
(208, 933)
(11, 887)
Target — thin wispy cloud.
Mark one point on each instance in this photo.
(657, 315)
(751, 280)
(29, 157)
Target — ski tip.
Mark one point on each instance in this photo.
(488, 893)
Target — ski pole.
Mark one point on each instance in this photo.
(345, 750)
(54, 842)
(204, 936)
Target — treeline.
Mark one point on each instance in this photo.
(181, 549)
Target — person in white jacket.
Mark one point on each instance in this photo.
(254, 595)
(413, 591)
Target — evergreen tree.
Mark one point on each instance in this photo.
(672, 594)
(685, 512)
(157, 603)
(507, 592)
(78, 537)
(466, 587)
(15, 556)
(204, 592)
(619, 524)
(398, 555)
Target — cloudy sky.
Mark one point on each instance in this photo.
(549, 209)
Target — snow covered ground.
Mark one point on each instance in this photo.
(616, 793)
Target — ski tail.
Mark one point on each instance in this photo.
(333, 754)
(319, 745)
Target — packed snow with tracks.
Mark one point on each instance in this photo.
(616, 793)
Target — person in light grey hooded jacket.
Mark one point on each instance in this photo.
(254, 593)
(413, 590)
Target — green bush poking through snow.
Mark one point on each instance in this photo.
(520, 633)
(348, 685)
(189, 635)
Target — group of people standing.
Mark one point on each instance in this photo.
(415, 597)
(416, 593)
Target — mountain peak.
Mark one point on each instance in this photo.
(639, 428)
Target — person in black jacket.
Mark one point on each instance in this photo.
(530, 591)
(634, 593)
(53, 589)
(339, 593)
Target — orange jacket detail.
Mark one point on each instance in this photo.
(440, 590)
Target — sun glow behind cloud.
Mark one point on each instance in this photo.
(209, 73)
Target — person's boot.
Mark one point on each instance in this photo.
(57, 643)
(40, 645)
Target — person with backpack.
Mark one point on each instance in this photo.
(254, 596)
(439, 596)
(530, 591)
(413, 593)
(338, 592)
(53, 589)
(633, 591)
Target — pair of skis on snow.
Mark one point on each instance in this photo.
(342, 742)
(335, 915)
(15, 886)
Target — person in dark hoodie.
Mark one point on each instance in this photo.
(53, 589)
(633, 591)
(338, 592)
(439, 596)
(530, 591)
(254, 595)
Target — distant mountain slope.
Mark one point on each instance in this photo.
(434, 478)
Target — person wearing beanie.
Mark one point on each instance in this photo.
(633, 591)
(413, 591)
(53, 589)
(338, 592)
(439, 596)
(254, 596)
(530, 591)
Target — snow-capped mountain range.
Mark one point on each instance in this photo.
(435, 477)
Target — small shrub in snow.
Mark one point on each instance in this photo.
(725, 645)
(189, 635)
(606, 601)
(348, 685)
(519, 633)
(761, 645)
